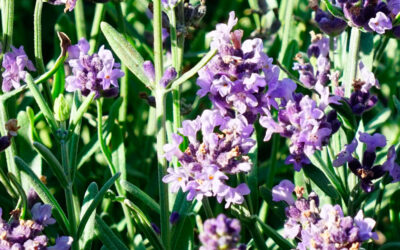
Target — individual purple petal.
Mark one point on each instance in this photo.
(346, 154)
(283, 192)
(41, 214)
(172, 149)
(62, 243)
(368, 78)
(380, 23)
(372, 141)
(394, 6)
(149, 70)
(391, 166)
(169, 75)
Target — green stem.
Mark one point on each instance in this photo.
(158, 46)
(350, 72)
(37, 23)
(69, 196)
(332, 50)
(6, 183)
(7, 23)
(80, 19)
(162, 165)
(10, 151)
(257, 237)
(94, 33)
(113, 169)
(207, 207)
(379, 52)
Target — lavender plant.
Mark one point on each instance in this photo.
(177, 124)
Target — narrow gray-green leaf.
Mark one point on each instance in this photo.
(96, 201)
(140, 195)
(318, 177)
(279, 240)
(43, 192)
(53, 163)
(88, 233)
(108, 237)
(125, 52)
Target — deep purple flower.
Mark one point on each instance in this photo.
(98, 73)
(220, 233)
(380, 23)
(326, 227)
(329, 24)
(174, 217)
(394, 6)
(15, 64)
(283, 192)
(207, 162)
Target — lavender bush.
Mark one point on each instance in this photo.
(180, 124)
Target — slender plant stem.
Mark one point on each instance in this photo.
(7, 23)
(256, 234)
(37, 23)
(351, 68)
(10, 151)
(6, 183)
(80, 19)
(207, 207)
(162, 165)
(160, 97)
(69, 195)
(332, 51)
(94, 33)
(113, 169)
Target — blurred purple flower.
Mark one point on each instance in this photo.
(391, 166)
(14, 64)
(69, 4)
(329, 24)
(283, 192)
(98, 73)
(41, 214)
(220, 233)
(62, 243)
(346, 154)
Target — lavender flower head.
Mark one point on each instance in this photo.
(69, 4)
(329, 24)
(27, 234)
(96, 73)
(366, 170)
(15, 64)
(207, 163)
(241, 77)
(221, 233)
(326, 227)
(169, 74)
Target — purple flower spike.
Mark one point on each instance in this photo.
(380, 23)
(14, 64)
(373, 141)
(346, 154)
(220, 233)
(283, 192)
(98, 73)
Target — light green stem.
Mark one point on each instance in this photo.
(94, 33)
(113, 169)
(160, 97)
(162, 165)
(37, 23)
(7, 14)
(80, 19)
(350, 72)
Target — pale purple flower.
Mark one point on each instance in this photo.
(391, 166)
(41, 214)
(62, 243)
(169, 75)
(283, 192)
(15, 64)
(365, 226)
(325, 227)
(380, 23)
(372, 141)
(208, 162)
(149, 70)
(220, 233)
(368, 78)
(168, 3)
(96, 73)
(69, 4)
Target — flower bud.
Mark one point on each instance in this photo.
(61, 109)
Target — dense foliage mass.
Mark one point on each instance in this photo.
(194, 124)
